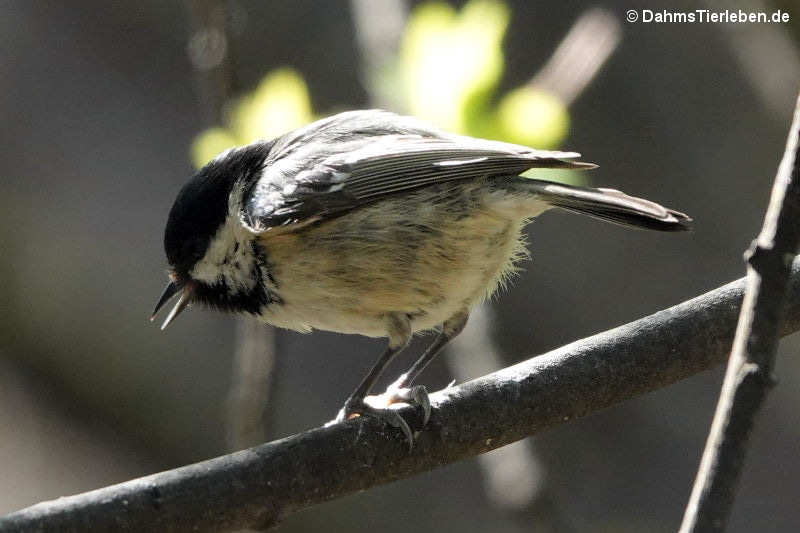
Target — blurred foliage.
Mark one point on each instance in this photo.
(450, 63)
(280, 103)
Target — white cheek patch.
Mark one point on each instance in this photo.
(228, 259)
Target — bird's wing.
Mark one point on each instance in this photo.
(324, 172)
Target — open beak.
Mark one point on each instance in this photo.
(170, 291)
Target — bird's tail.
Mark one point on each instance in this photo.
(610, 205)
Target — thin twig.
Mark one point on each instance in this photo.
(252, 390)
(749, 374)
(257, 487)
(209, 52)
(379, 32)
(580, 55)
(212, 56)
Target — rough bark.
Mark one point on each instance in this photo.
(258, 486)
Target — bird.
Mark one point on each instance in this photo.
(373, 223)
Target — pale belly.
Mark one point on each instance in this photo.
(427, 257)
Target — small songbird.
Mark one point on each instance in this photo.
(372, 223)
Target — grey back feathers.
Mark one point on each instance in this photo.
(359, 157)
(354, 163)
(356, 158)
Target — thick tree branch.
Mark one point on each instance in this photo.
(749, 374)
(256, 487)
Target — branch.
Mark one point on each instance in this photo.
(257, 487)
(514, 477)
(580, 55)
(211, 53)
(749, 374)
(252, 388)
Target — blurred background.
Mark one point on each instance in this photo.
(108, 107)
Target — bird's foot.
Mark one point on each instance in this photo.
(383, 407)
(398, 393)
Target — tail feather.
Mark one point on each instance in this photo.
(611, 205)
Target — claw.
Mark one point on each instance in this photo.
(393, 418)
(380, 407)
(416, 395)
(387, 415)
(397, 393)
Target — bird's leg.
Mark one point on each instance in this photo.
(399, 337)
(356, 399)
(450, 330)
(402, 391)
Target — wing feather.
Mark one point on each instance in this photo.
(361, 157)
